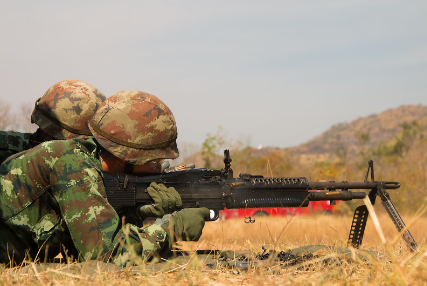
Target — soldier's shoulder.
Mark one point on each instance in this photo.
(84, 149)
(82, 145)
(49, 152)
(14, 140)
(76, 143)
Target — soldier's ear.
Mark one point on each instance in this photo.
(111, 163)
(120, 162)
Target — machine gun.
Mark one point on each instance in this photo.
(218, 189)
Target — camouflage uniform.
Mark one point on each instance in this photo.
(52, 198)
(12, 142)
(63, 112)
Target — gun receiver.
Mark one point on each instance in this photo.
(217, 189)
(207, 188)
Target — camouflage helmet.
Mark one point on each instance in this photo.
(136, 127)
(65, 109)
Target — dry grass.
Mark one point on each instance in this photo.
(281, 233)
(285, 232)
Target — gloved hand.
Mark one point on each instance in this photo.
(166, 201)
(186, 224)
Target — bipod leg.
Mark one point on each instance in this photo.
(358, 225)
(397, 220)
(360, 218)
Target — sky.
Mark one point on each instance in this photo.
(276, 72)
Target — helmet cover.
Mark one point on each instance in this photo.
(65, 109)
(136, 127)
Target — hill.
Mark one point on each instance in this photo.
(348, 139)
(363, 133)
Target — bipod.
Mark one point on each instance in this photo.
(361, 214)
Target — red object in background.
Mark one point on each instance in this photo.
(313, 207)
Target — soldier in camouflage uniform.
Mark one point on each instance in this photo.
(63, 112)
(52, 197)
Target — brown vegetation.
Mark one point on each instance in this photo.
(395, 140)
(290, 232)
(399, 267)
(365, 132)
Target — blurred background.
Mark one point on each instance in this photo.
(312, 88)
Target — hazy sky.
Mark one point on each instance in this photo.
(280, 72)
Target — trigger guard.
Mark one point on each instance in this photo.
(214, 215)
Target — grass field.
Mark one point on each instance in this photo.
(282, 232)
(400, 267)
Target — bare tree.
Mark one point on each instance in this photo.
(25, 124)
(7, 118)
(20, 121)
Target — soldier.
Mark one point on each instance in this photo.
(52, 197)
(62, 113)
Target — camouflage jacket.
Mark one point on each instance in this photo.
(53, 198)
(12, 142)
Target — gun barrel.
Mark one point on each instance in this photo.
(352, 185)
(336, 195)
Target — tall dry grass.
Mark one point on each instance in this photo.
(399, 267)
(282, 233)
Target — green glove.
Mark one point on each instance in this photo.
(166, 201)
(186, 224)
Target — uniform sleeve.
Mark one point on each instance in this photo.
(12, 142)
(94, 226)
(4, 154)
